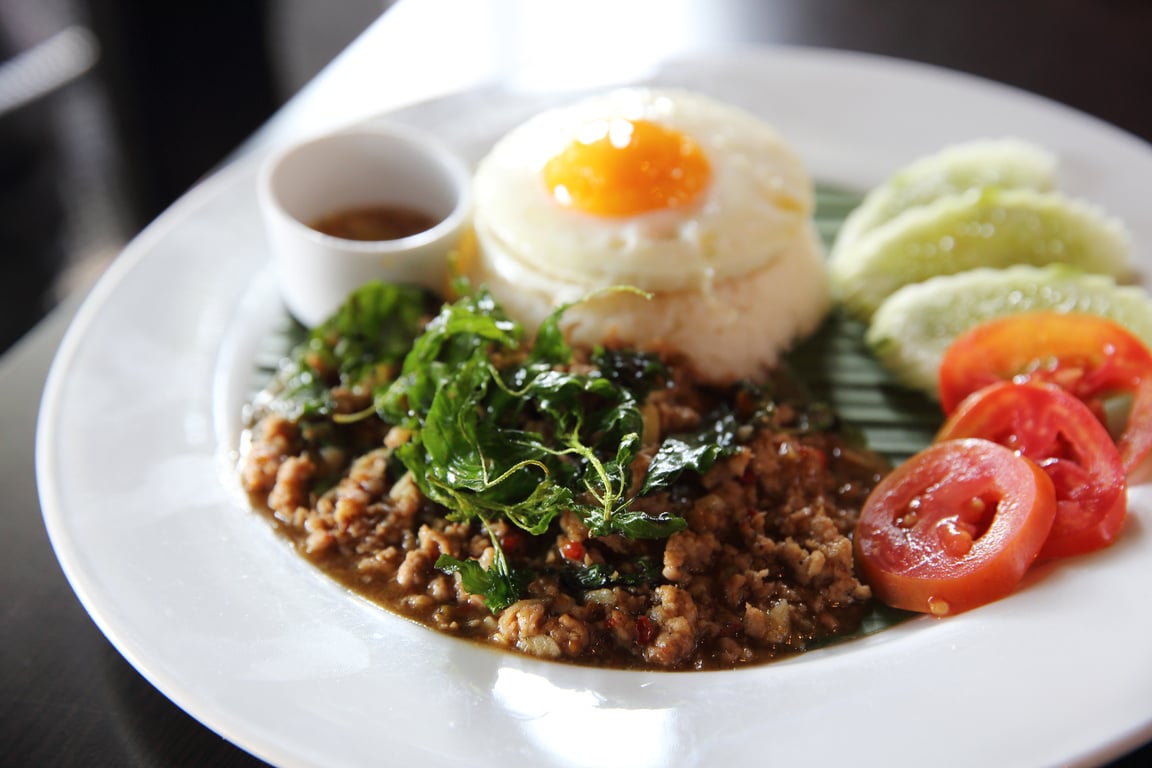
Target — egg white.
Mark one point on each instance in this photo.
(759, 200)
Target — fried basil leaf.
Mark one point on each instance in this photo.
(362, 344)
(639, 372)
(498, 585)
(635, 524)
(500, 431)
(645, 570)
(695, 452)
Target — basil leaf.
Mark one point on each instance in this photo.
(362, 344)
(499, 585)
(550, 345)
(600, 575)
(460, 333)
(500, 432)
(695, 452)
(639, 372)
(636, 524)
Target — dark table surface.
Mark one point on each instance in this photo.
(68, 697)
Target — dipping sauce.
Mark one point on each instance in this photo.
(375, 222)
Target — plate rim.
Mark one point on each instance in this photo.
(139, 249)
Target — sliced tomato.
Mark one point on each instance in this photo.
(1096, 359)
(1058, 432)
(954, 527)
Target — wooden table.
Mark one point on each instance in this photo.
(68, 698)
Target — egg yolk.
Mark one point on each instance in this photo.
(625, 167)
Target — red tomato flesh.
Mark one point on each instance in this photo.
(1093, 358)
(954, 527)
(1058, 432)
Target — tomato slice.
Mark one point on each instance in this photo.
(1096, 359)
(1057, 431)
(954, 527)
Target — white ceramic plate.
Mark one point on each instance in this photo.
(141, 414)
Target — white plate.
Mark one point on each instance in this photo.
(141, 412)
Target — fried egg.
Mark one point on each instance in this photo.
(664, 190)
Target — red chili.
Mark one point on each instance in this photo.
(644, 630)
(512, 542)
(573, 550)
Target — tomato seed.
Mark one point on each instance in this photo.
(938, 607)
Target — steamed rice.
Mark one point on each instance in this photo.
(733, 329)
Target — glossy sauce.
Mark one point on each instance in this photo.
(375, 222)
(789, 494)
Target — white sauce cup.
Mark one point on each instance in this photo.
(366, 166)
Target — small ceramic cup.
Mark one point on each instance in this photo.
(355, 169)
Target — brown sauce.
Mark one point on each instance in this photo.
(375, 222)
(764, 571)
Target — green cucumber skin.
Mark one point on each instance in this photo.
(987, 228)
(910, 331)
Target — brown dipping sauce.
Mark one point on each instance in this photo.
(375, 222)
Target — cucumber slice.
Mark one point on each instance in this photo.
(911, 330)
(979, 228)
(1003, 163)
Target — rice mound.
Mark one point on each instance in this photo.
(733, 329)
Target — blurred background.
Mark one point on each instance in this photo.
(111, 109)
